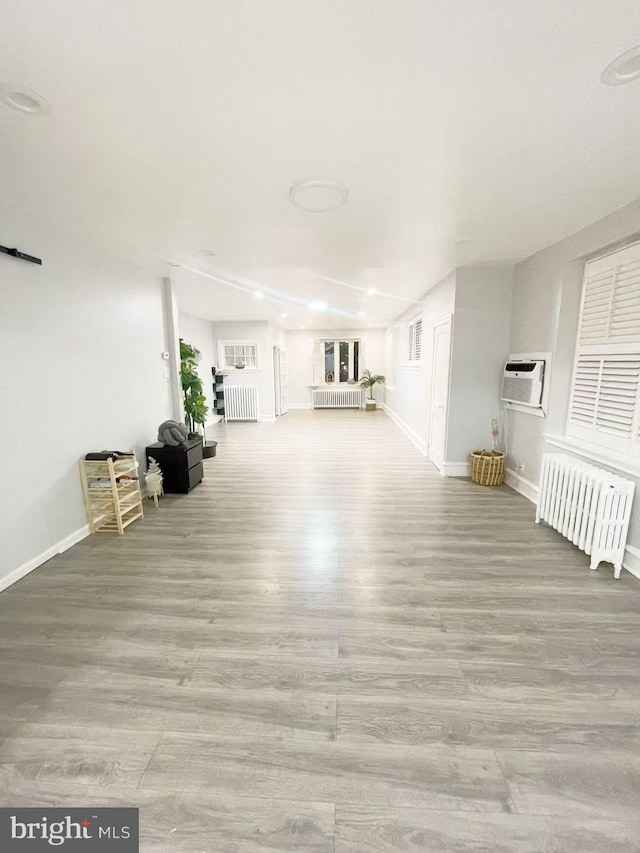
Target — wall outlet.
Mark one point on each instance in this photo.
(520, 469)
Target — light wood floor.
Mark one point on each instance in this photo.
(328, 647)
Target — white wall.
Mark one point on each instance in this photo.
(81, 340)
(298, 345)
(546, 304)
(408, 387)
(199, 333)
(263, 333)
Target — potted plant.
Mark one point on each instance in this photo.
(195, 408)
(369, 381)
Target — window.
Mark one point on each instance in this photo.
(415, 340)
(239, 355)
(605, 394)
(341, 361)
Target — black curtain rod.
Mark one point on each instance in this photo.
(15, 253)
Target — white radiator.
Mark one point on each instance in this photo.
(337, 398)
(241, 402)
(587, 505)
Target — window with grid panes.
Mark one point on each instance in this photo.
(341, 361)
(239, 354)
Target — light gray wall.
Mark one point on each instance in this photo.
(546, 303)
(408, 387)
(81, 369)
(479, 300)
(199, 333)
(480, 346)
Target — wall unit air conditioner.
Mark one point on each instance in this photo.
(523, 382)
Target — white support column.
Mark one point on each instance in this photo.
(172, 343)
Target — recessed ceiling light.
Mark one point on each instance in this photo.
(24, 100)
(284, 316)
(623, 69)
(303, 327)
(207, 253)
(361, 314)
(463, 241)
(372, 290)
(318, 196)
(258, 294)
(318, 305)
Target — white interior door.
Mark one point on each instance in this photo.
(439, 392)
(276, 381)
(281, 381)
(284, 382)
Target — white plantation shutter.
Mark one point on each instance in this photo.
(418, 343)
(415, 340)
(605, 399)
(625, 303)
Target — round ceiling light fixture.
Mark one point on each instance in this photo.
(624, 69)
(24, 100)
(318, 196)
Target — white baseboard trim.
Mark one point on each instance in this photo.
(30, 565)
(529, 490)
(631, 560)
(411, 435)
(521, 485)
(455, 469)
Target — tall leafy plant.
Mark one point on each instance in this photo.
(195, 409)
(370, 380)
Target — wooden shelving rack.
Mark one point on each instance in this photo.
(117, 506)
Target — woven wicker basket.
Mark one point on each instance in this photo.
(487, 467)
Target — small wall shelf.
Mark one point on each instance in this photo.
(116, 502)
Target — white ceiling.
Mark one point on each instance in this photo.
(181, 126)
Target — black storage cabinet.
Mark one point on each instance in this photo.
(181, 466)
